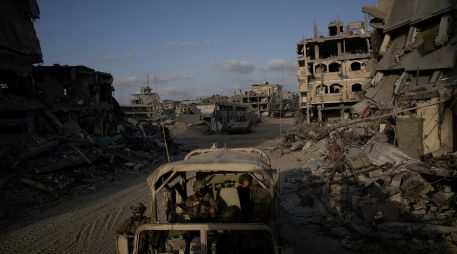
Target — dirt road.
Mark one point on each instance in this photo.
(89, 227)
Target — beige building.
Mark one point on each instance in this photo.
(333, 70)
(144, 106)
(263, 99)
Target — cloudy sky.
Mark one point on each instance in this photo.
(189, 48)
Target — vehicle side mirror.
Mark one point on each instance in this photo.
(122, 244)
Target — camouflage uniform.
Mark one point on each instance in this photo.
(129, 226)
(201, 209)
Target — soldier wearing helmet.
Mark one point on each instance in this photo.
(130, 225)
(201, 205)
(137, 219)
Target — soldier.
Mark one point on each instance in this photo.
(245, 194)
(201, 205)
(129, 226)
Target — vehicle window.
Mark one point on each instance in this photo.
(219, 242)
(240, 242)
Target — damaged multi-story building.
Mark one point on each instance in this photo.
(417, 72)
(263, 99)
(333, 70)
(79, 98)
(144, 106)
(47, 100)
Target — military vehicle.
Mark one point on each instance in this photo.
(174, 230)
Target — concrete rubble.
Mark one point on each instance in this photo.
(381, 197)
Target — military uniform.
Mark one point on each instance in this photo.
(129, 226)
(201, 209)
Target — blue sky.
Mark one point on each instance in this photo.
(190, 48)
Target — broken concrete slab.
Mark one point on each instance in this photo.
(381, 153)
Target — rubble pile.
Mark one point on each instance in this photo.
(37, 169)
(372, 194)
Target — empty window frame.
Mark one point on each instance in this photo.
(334, 67)
(356, 87)
(336, 88)
(320, 68)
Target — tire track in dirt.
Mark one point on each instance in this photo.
(89, 229)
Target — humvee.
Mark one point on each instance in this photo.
(172, 229)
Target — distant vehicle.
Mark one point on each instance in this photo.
(172, 229)
(239, 127)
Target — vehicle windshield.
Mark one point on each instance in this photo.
(204, 197)
(217, 241)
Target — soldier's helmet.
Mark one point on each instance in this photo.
(138, 208)
(245, 177)
(199, 186)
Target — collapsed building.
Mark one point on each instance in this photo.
(417, 72)
(289, 103)
(263, 99)
(388, 179)
(144, 106)
(333, 70)
(61, 130)
(220, 116)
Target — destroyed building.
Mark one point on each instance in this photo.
(61, 131)
(417, 72)
(144, 106)
(289, 103)
(263, 99)
(19, 50)
(187, 107)
(79, 98)
(219, 115)
(333, 70)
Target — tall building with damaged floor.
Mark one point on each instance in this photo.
(333, 70)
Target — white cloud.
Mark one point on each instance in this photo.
(111, 58)
(107, 58)
(166, 79)
(137, 81)
(174, 93)
(188, 44)
(233, 65)
(279, 65)
(127, 56)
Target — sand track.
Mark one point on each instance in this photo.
(89, 229)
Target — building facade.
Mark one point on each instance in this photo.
(144, 106)
(263, 99)
(333, 70)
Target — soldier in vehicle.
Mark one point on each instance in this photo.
(245, 194)
(201, 205)
(130, 225)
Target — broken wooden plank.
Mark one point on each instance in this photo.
(126, 157)
(60, 165)
(40, 149)
(82, 155)
(37, 185)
